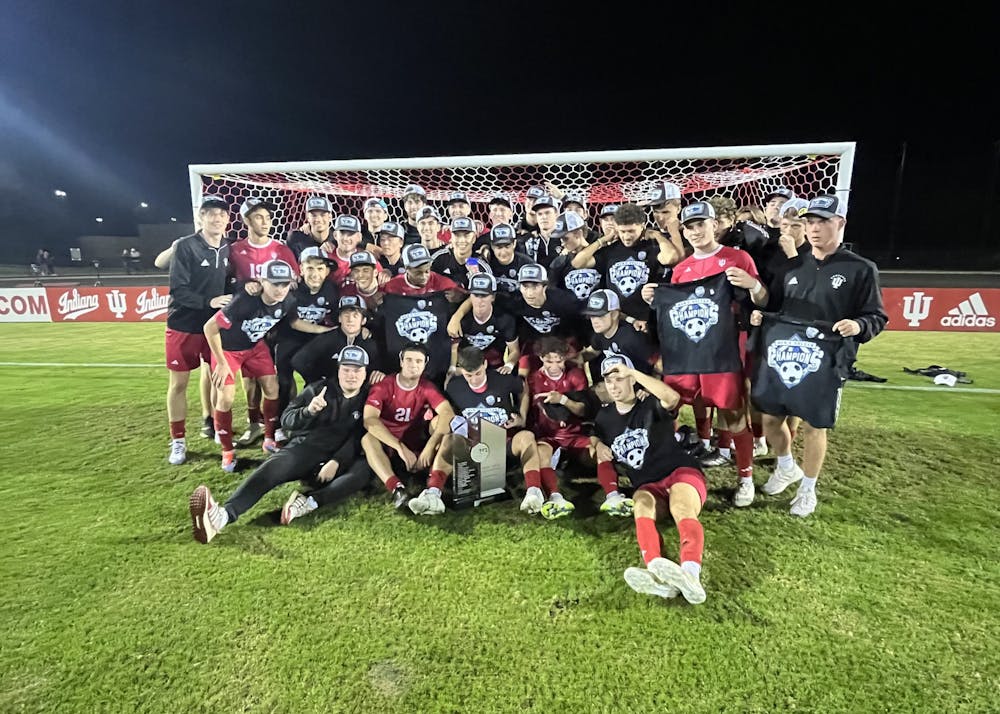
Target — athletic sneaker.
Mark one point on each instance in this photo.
(643, 581)
(207, 516)
(782, 479)
(744, 494)
(228, 461)
(804, 502)
(427, 503)
(270, 446)
(208, 428)
(760, 447)
(399, 497)
(714, 458)
(254, 431)
(178, 452)
(670, 573)
(279, 436)
(297, 505)
(618, 505)
(552, 510)
(533, 501)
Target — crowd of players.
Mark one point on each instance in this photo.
(555, 329)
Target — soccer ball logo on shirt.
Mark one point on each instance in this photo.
(794, 359)
(627, 276)
(417, 325)
(695, 315)
(630, 447)
(582, 282)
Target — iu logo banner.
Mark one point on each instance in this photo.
(697, 328)
(943, 309)
(799, 369)
(422, 319)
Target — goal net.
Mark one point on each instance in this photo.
(747, 174)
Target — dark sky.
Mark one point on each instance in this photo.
(111, 102)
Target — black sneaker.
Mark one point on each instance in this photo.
(208, 428)
(714, 458)
(399, 497)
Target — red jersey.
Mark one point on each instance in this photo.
(403, 409)
(696, 267)
(372, 300)
(340, 271)
(568, 434)
(435, 283)
(247, 260)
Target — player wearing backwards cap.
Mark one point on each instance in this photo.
(457, 261)
(394, 419)
(375, 213)
(581, 282)
(247, 259)
(556, 420)
(639, 434)
(418, 278)
(317, 360)
(390, 239)
(491, 330)
(429, 228)
(198, 279)
(541, 245)
(414, 199)
(505, 262)
(363, 280)
(666, 207)
(497, 398)
(235, 336)
(725, 390)
(832, 284)
(324, 422)
(317, 229)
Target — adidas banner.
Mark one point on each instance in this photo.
(697, 329)
(798, 369)
(422, 319)
(943, 309)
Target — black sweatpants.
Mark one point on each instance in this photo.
(284, 351)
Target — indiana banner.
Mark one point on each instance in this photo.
(422, 319)
(697, 329)
(799, 369)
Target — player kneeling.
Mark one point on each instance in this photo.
(639, 434)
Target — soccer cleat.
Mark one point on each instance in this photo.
(270, 446)
(207, 516)
(208, 428)
(804, 503)
(279, 436)
(618, 505)
(178, 452)
(744, 494)
(760, 447)
(714, 458)
(296, 505)
(782, 479)
(533, 501)
(228, 461)
(642, 581)
(670, 573)
(254, 431)
(427, 503)
(552, 510)
(399, 497)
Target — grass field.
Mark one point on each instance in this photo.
(887, 599)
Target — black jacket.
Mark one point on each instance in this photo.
(198, 273)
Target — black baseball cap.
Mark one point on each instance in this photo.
(609, 209)
(536, 192)
(252, 204)
(319, 203)
(362, 257)
(393, 229)
(502, 234)
(314, 251)
(544, 202)
(427, 212)
(213, 201)
(482, 284)
(573, 198)
(415, 255)
(459, 225)
(353, 355)
(664, 191)
(278, 272)
(825, 207)
(502, 200)
(352, 302)
(532, 273)
(697, 211)
(348, 224)
(601, 302)
(614, 360)
(780, 191)
(567, 222)
(457, 197)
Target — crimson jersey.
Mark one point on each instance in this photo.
(403, 409)
(247, 260)
(340, 269)
(435, 283)
(567, 433)
(696, 267)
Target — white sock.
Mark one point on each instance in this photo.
(613, 496)
(725, 452)
(556, 497)
(786, 462)
(436, 491)
(707, 443)
(808, 483)
(746, 479)
(761, 441)
(311, 502)
(535, 491)
(219, 517)
(692, 568)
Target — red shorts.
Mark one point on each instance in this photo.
(565, 442)
(723, 390)
(253, 363)
(745, 356)
(685, 474)
(186, 350)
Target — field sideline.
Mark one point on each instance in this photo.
(887, 599)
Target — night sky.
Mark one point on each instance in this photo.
(112, 102)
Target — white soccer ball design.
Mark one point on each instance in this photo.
(791, 373)
(418, 334)
(635, 457)
(627, 285)
(582, 290)
(695, 328)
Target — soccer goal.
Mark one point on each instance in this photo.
(744, 173)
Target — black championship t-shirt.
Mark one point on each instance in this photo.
(319, 308)
(642, 440)
(247, 319)
(559, 315)
(506, 275)
(393, 269)
(422, 319)
(491, 336)
(445, 263)
(626, 341)
(626, 269)
(500, 398)
(579, 282)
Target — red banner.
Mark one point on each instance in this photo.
(113, 304)
(943, 309)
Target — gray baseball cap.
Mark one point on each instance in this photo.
(532, 273)
(319, 203)
(415, 255)
(612, 361)
(698, 211)
(278, 272)
(353, 355)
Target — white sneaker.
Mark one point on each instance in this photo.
(533, 501)
(744, 493)
(279, 435)
(760, 447)
(427, 503)
(253, 432)
(642, 581)
(297, 505)
(782, 479)
(207, 516)
(670, 573)
(178, 452)
(804, 502)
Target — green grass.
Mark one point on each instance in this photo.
(887, 599)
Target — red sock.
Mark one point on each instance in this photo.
(253, 413)
(607, 477)
(270, 417)
(437, 479)
(744, 452)
(177, 429)
(532, 479)
(550, 482)
(393, 483)
(649, 538)
(758, 430)
(692, 540)
(725, 439)
(224, 429)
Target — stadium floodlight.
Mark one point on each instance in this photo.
(99, 219)
(59, 193)
(143, 204)
(173, 219)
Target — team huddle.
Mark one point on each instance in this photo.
(581, 342)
